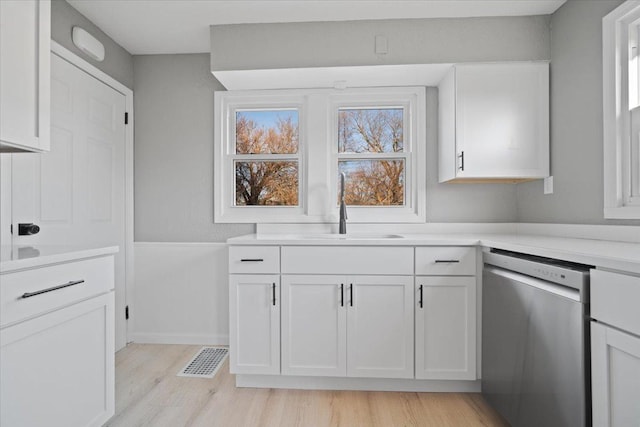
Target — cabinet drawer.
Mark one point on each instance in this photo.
(446, 261)
(254, 259)
(347, 260)
(94, 276)
(615, 298)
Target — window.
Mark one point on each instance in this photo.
(621, 113)
(371, 155)
(279, 154)
(266, 161)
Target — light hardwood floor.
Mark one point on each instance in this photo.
(148, 393)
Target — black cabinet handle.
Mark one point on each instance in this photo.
(54, 288)
(273, 289)
(461, 156)
(251, 260)
(351, 294)
(341, 294)
(420, 301)
(447, 261)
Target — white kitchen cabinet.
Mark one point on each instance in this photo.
(358, 326)
(58, 369)
(494, 122)
(380, 327)
(25, 39)
(615, 349)
(57, 344)
(615, 365)
(254, 323)
(314, 320)
(445, 327)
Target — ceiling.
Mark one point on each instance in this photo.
(182, 26)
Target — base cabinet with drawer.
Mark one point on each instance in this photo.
(254, 301)
(351, 315)
(57, 345)
(615, 349)
(445, 313)
(355, 326)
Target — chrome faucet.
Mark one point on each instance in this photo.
(343, 207)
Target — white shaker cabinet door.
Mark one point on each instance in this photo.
(254, 324)
(380, 326)
(446, 328)
(615, 367)
(25, 40)
(57, 370)
(314, 325)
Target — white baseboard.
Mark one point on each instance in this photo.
(153, 338)
(364, 384)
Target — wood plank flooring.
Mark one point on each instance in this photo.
(148, 393)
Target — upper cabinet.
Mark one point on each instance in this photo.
(25, 39)
(494, 122)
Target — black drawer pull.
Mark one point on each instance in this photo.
(251, 260)
(421, 297)
(54, 288)
(447, 261)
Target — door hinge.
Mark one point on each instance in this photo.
(126, 313)
(126, 118)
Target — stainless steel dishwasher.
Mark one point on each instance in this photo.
(535, 340)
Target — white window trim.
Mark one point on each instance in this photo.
(618, 200)
(318, 154)
(413, 103)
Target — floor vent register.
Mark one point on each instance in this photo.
(205, 363)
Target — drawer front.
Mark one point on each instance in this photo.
(94, 276)
(347, 260)
(446, 261)
(614, 300)
(254, 259)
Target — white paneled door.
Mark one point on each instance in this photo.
(76, 192)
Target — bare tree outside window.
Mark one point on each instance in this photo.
(375, 133)
(266, 181)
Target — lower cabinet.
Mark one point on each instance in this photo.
(355, 326)
(615, 365)
(58, 369)
(254, 324)
(445, 325)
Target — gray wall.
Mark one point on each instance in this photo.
(576, 121)
(173, 106)
(411, 41)
(174, 111)
(118, 63)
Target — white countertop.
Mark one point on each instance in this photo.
(600, 253)
(20, 257)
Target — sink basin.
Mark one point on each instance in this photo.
(350, 236)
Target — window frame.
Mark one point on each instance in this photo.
(318, 154)
(411, 102)
(225, 157)
(621, 169)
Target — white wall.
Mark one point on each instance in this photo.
(181, 294)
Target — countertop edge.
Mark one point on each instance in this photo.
(61, 255)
